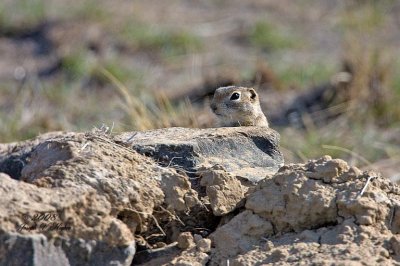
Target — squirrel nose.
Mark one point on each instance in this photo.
(213, 107)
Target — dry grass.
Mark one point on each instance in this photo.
(125, 79)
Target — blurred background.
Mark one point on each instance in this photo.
(327, 71)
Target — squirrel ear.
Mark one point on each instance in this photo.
(253, 93)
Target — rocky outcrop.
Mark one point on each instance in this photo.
(78, 198)
(91, 198)
(248, 152)
(224, 190)
(322, 212)
(188, 197)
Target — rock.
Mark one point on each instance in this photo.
(171, 255)
(78, 199)
(291, 201)
(158, 256)
(197, 238)
(178, 192)
(316, 218)
(240, 234)
(224, 190)
(190, 258)
(395, 245)
(396, 219)
(17, 249)
(13, 156)
(37, 249)
(185, 240)
(204, 245)
(249, 152)
(85, 191)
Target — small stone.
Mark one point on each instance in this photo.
(268, 245)
(395, 243)
(309, 236)
(185, 240)
(197, 238)
(365, 220)
(280, 254)
(384, 253)
(204, 245)
(363, 237)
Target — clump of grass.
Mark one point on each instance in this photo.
(82, 64)
(370, 96)
(91, 10)
(149, 111)
(366, 16)
(29, 115)
(19, 14)
(133, 78)
(304, 76)
(370, 100)
(167, 42)
(395, 82)
(65, 105)
(268, 37)
(340, 139)
(122, 73)
(76, 64)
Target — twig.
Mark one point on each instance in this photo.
(173, 158)
(365, 187)
(112, 143)
(152, 216)
(176, 217)
(158, 225)
(112, 128)
(153, 235)
(84, 146)
(131, 137)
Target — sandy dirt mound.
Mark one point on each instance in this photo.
(314, 213)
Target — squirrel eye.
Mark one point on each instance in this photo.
(235, 96)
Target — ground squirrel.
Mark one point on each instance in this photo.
(238, 106)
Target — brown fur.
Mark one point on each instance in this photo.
(245, 111)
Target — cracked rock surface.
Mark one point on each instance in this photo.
(249, 152)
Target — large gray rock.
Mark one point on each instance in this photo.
(14, 156)
(249, 152)
(37, 249)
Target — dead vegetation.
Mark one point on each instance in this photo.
(130, 68)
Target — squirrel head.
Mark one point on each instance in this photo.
(236, 105)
